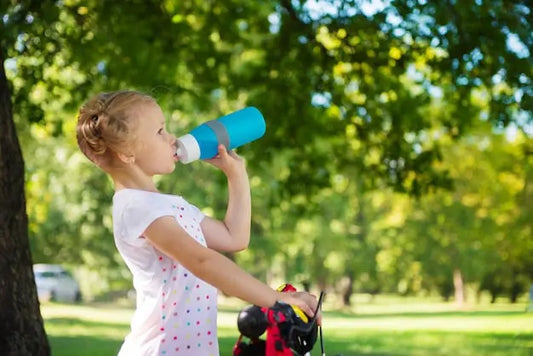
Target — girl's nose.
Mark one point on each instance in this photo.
(172, 139)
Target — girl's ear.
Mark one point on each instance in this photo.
(126, 158)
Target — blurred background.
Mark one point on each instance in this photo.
(398, 155)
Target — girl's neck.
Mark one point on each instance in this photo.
(120, 185)
(127, 179)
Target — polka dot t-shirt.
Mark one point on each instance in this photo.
(176, 311)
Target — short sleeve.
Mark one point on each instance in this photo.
(139, 212)
(196, 213)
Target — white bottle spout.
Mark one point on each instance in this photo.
(188, 149)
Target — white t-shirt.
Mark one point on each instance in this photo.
(176, 312)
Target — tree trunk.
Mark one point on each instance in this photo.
(459, 288)
(493, 296)
(516, 289)
(348, 291)
(21, 324)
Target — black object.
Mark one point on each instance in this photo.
(253, 348)
(294, 333)
(252, 322)
(299, 335)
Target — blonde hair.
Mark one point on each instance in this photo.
(106, 124)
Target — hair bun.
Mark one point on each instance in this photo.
(91, 131)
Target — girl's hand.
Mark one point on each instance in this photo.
(303, 300)
(228, 162)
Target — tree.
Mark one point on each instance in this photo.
(475, 235)
(345, 90)
(21, 324)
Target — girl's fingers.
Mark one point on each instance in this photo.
(226, 160)
(306, 302)
(222, 149)
(221, 152)
(307, 310)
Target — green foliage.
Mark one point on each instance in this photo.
(366, 107)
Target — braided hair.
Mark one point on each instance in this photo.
(106, 125)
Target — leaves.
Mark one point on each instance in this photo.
(357, 99)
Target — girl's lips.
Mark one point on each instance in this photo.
(175, 155)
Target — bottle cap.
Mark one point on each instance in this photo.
(188, 149)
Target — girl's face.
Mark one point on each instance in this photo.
(155, 148)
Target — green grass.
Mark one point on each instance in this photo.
(383, 326)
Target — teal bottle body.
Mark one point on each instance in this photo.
(233, 130)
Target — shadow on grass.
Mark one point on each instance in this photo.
(68, 336)
(80, 337)
(352, 342)
(226, 346)
(66, 322)
(361, 343)
(417, 342)
(83, 345)
(423, 314)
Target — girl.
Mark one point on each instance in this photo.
(168, 244)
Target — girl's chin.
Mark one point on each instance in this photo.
(170, 170)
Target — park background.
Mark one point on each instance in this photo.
(397, 160)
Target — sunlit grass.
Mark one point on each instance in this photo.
(382, 326)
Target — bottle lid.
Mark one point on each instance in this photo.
(188, 149)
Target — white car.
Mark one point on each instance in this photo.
(54, 283)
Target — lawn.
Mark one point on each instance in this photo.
(383, 326)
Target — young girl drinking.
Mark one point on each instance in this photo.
(169, 245)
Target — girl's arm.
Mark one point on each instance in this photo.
(214, 268)
(233, 233)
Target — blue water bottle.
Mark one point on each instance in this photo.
(233, 130)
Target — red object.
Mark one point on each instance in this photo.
(275, 345)
(237, 349)
(287, 288)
